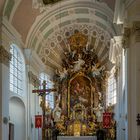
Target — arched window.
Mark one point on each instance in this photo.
(16, 71)
(111, 91)
(49, 85)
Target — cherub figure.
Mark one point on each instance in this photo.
(100, 96)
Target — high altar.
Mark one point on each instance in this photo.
(81, 85)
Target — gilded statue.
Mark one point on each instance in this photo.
(112, 133)
(92, 126)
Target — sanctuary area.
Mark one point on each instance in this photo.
(80, 107)
(69, 69)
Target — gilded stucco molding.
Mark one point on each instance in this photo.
(126, 35)
(133, 31)
(117, 73)
(33, 79)
(5, 56)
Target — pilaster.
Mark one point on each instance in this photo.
(132, 47)
(33, 101)
(116, 55)
(4, 93)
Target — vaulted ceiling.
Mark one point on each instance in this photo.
(47, 30)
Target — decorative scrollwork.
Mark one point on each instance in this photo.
(5, 56)
(77, 41)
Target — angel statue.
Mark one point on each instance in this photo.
(62, 74)
(97, 71)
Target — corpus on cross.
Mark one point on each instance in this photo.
(43, 92)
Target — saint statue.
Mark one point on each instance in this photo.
(99, 112)
(78, 64)
(57, 111)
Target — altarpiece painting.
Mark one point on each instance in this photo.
(80, 91)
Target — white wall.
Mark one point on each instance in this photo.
(17, 117)
(21, 109)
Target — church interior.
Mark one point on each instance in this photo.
(69, 69)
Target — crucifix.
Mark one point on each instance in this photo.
(43, 92)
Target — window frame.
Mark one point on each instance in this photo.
(17, 71)
(111, 97)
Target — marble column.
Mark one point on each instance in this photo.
(4, 93)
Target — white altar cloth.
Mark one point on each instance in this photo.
(76, 138)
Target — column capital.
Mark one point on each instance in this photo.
(5, 56)
(118, 40)
(33, 79)
(136, 30)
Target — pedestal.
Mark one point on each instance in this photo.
(76, 138)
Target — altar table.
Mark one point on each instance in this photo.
(76, 138)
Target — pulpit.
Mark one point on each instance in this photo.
(76, 138)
